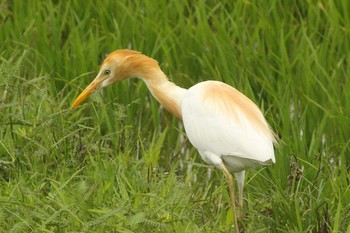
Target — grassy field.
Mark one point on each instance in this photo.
(120, 163)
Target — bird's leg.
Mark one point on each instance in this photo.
(231, 186)
(240, 196)
(239, 212)
(240, 181)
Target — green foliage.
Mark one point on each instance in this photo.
(120, 163)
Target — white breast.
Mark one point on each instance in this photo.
(224, 125)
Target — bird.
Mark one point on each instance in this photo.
(225, 126)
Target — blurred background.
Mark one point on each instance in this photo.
(121, 163)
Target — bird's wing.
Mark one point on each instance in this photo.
(221, 120)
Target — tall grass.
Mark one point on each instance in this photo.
(120, 163)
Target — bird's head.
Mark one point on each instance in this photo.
(119, 65)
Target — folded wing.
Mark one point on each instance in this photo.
(221, 120)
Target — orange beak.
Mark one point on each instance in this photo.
(86, 93)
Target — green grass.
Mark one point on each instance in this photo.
(120, 163)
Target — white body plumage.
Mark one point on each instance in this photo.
(226, 127)
(222, 130)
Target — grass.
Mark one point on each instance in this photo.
(120, 163)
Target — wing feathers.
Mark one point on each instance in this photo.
(220, 119)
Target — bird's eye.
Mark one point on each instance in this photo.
(107, 72)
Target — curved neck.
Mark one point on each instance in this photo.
(167, 93)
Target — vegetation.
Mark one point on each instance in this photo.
(120, 163)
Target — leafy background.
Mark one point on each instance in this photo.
(120, 163)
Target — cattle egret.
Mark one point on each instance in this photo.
(227, 128)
